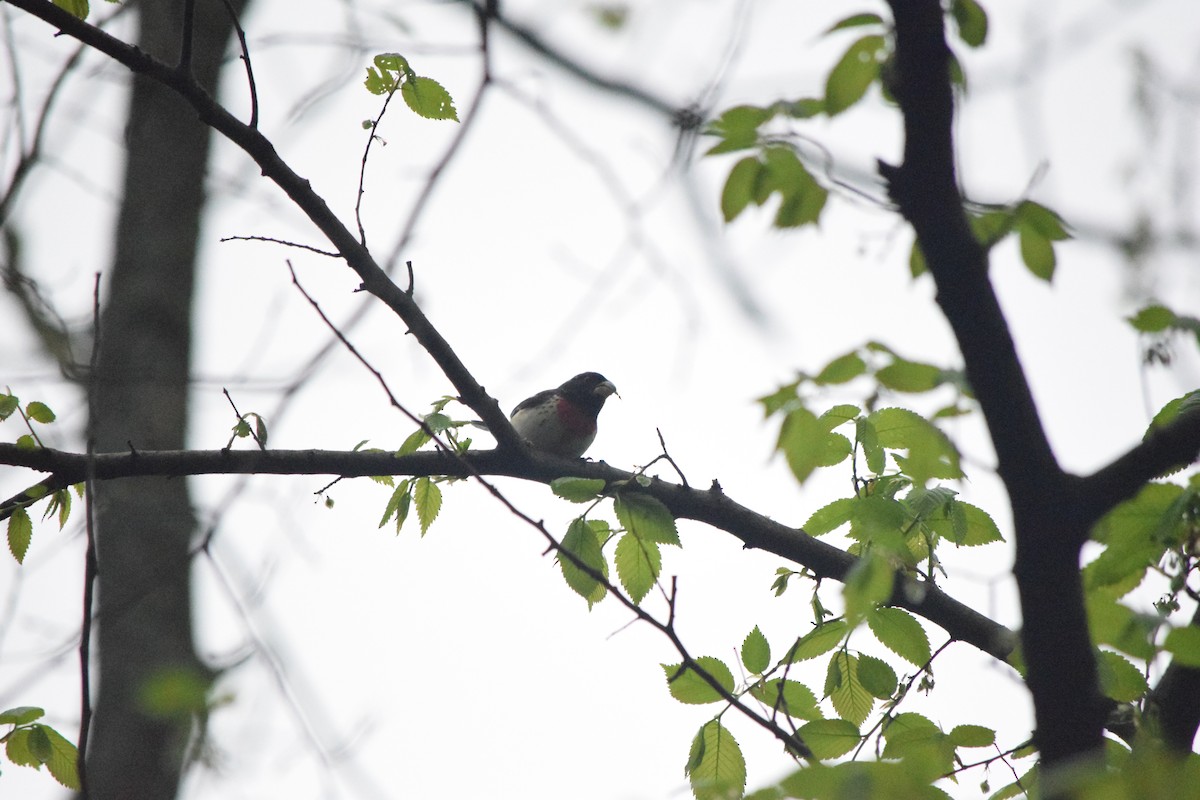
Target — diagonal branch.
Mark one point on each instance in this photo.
(301, 193)
(711, 507)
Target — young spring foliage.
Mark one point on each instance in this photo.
(423, 95)
(29, 743)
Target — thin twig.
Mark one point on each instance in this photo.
(241, 34)
(362, 172)
(283, 242)
(90, 567)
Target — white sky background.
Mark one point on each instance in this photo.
(460, 665)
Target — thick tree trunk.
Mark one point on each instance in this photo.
(145, 525)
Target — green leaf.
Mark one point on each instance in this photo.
(841, 369)
(578, 490)
(639, 564)
(972, 736)
(715, 766)
(646, 518)
(1172, 410)
(20, 533)
(844, 687)
(830, 738)
(756, 652)
(393, 505)
(906, 729)
(582, 542)
(1120, 680)
(877, 676)
(964, 524)
(791, 697)
(830, 517)
(1151, 319)
(868, 584)
(1037, 253)
(971, 20)
(1113, 624)
(414, 442)
(854, 72)
(1184, 644)
(806, 443)
(900, 632)
(18, 748)
(61, 758)
(23, 715)
(39, 412)
(76, 8)
(909, 376)
(740, 186)
(818, 641)
(8, 405)
(854, 21)
(1037, 217)
(930, 453)
(26, 442)
(428, 498)
(802, 197)
(687, 686)
(428, 98)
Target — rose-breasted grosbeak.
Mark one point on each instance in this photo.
(562, 421)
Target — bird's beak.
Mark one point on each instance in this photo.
(605, 388)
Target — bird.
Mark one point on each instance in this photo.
(562, 421)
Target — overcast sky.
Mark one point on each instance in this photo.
(564, 237)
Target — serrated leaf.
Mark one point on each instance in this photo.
(260, 430)
(855, 71)
(930, 452)
(8, 405)
(687, 685)
(393, 504)
(578, 490)
(845, 689)
(20, 533)
(818, 641)
(61, 757)
(964, 524)
(1120, 680)
(639, 564)
(841, 369)
(789, 697)
(39, 412)
(581, 541)
(428, 498)
(646, 518)
(428, 98)
(17, 748)
(877, 676)
(830, 517)
(830, 738)
(900, 632)
(715, 766)
(414, 442)
(972, 736)
(21, 715)
(756, 652)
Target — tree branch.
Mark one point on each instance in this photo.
(711, 507)
(299, 191)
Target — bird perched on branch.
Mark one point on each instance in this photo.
(562, 421)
